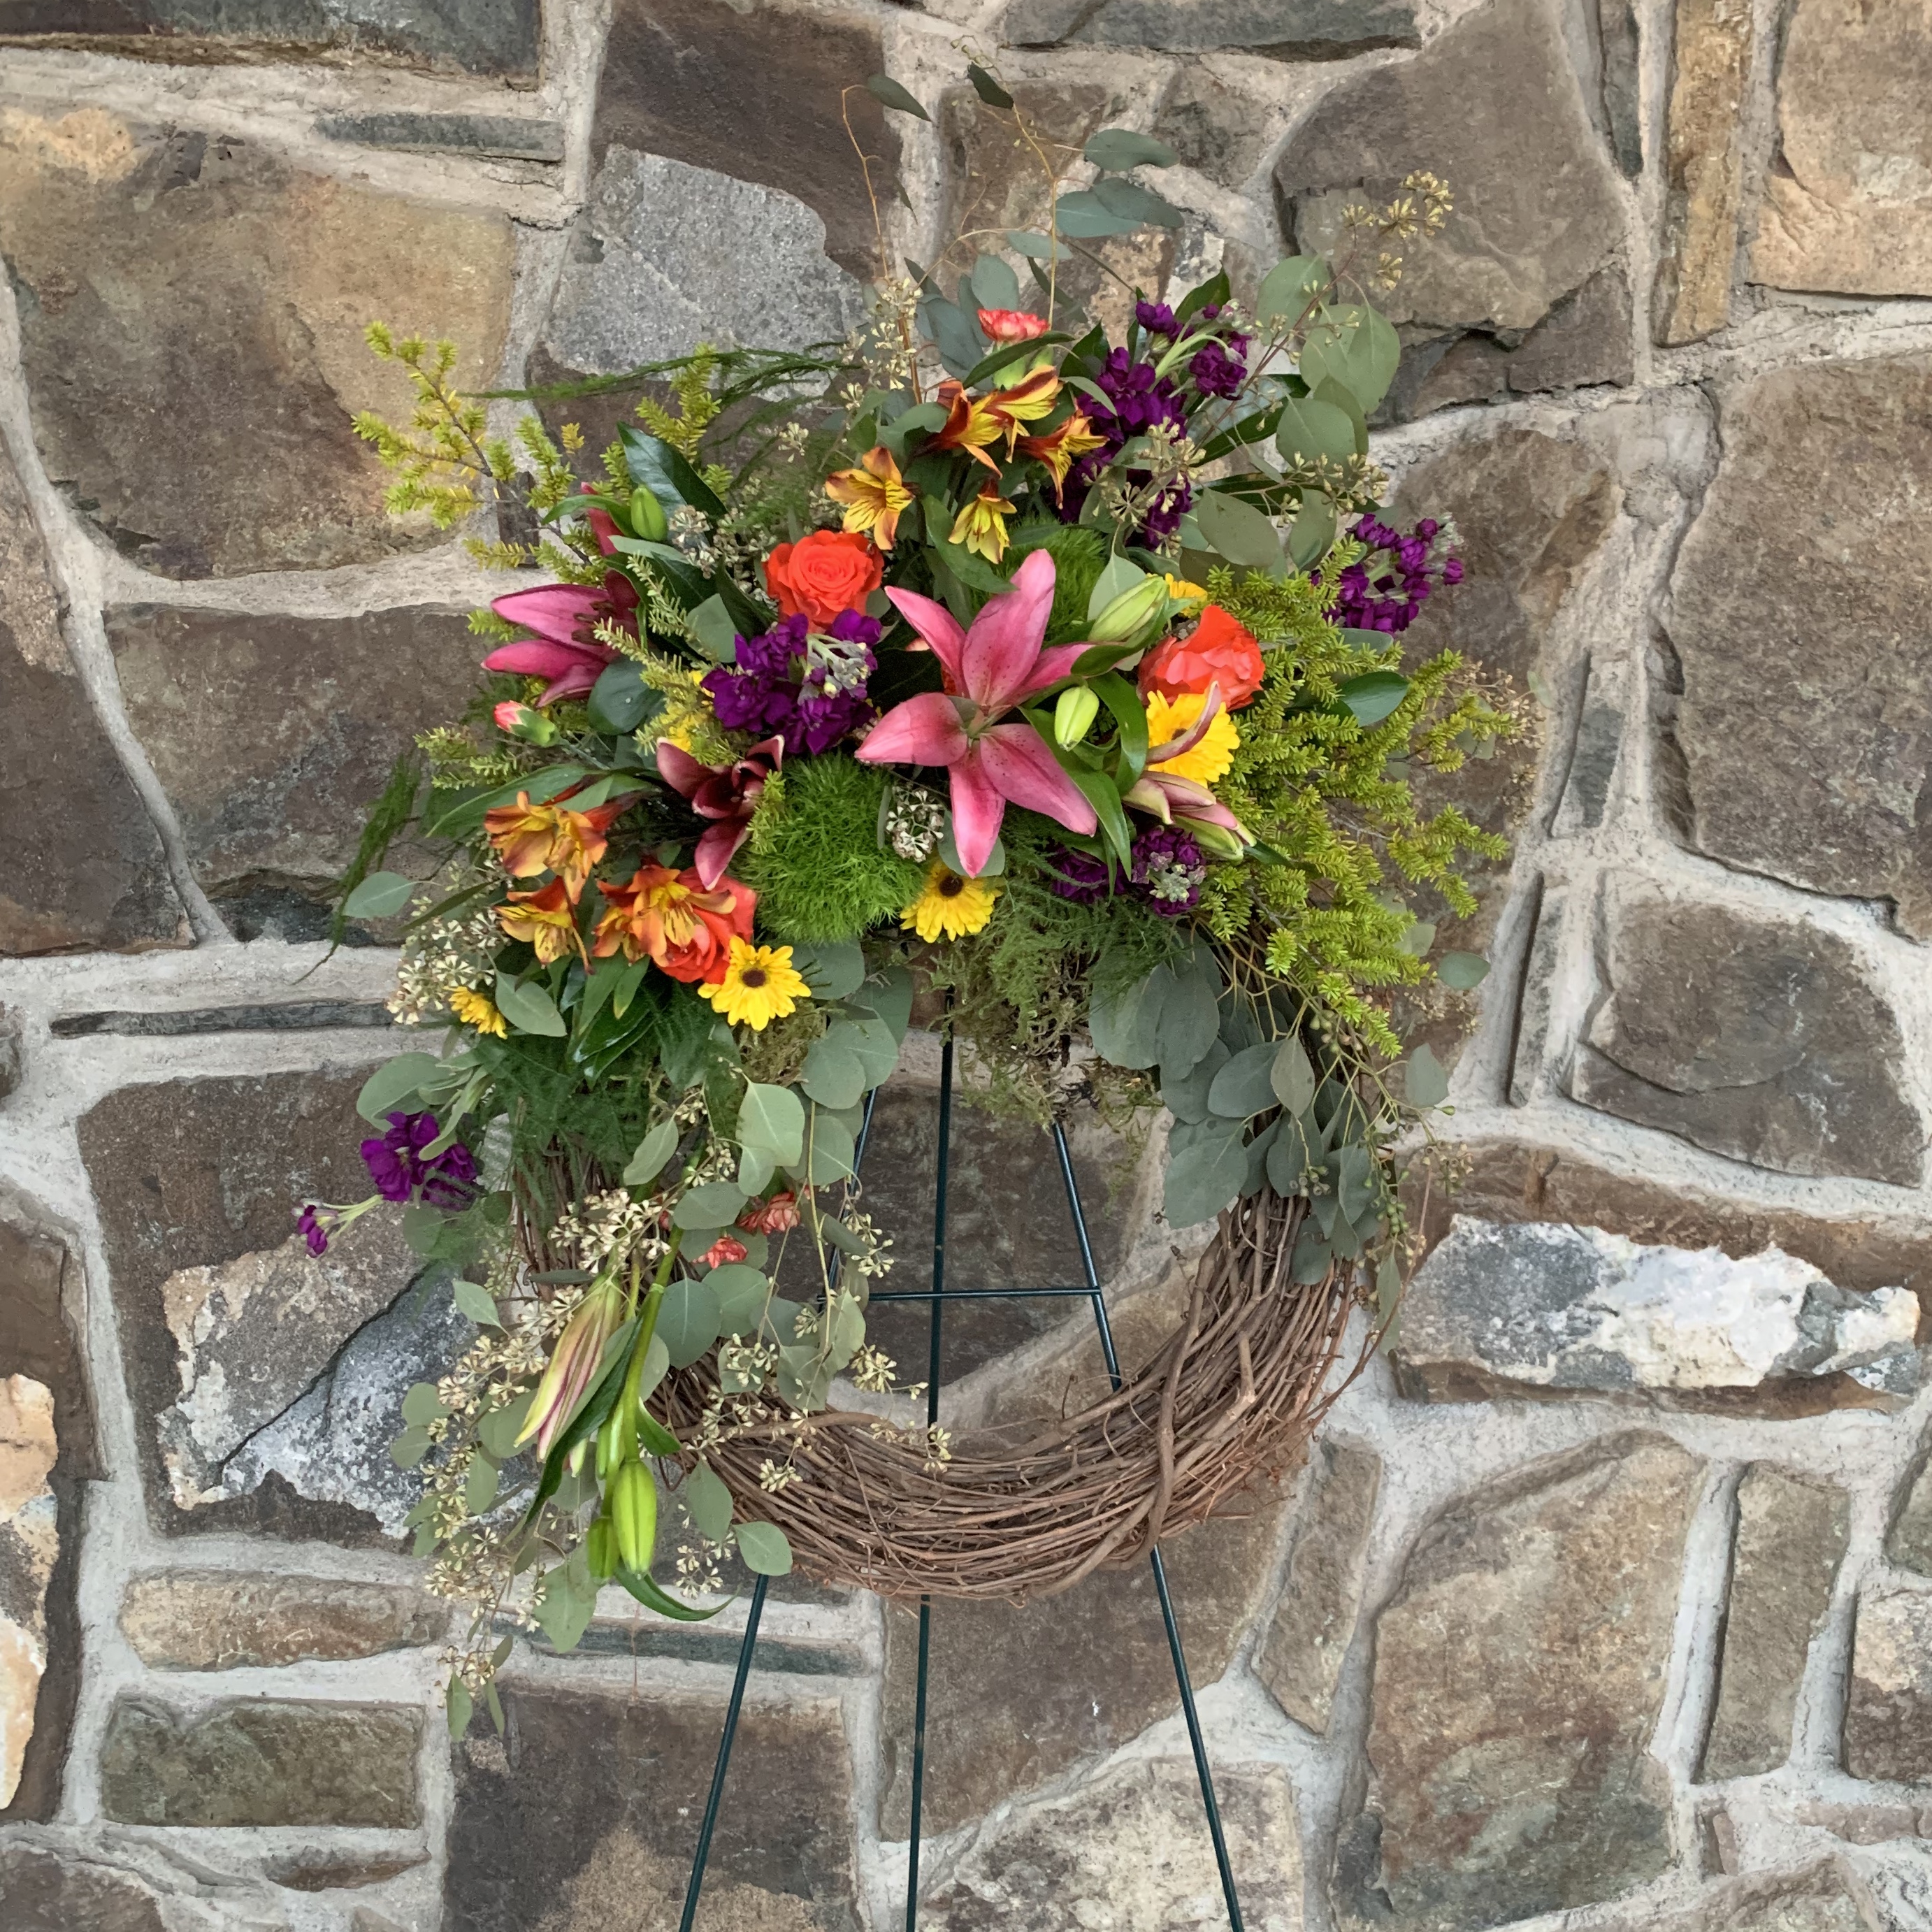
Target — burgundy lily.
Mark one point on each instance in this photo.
(994, 666)
(725, 794)
(565, 650)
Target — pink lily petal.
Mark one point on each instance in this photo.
(551, 610)
(717, 847)
(535, 657)
(1195, 732)
(1169, 799)
(577, 683)
(936, 625)
(1144, 795)
(924, 731)
(977, 810)
(1003, 648)
(1055, 663)
(1016, 758)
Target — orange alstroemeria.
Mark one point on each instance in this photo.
(670, 919)
(1062, 446)
(873, 494)
(533, 839)
(546, 919)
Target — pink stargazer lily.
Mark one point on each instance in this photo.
(563, 649)
(997, 665)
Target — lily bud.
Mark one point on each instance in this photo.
(647, 516)
(634, 1513)
(1217, 841)
(572, 1363)
(521, 721)
(1073, 716)
(600, 1546)
(1130, 613)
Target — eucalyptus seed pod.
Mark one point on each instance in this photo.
(634, 1511)
(1073, 716)
(600, 1546)
(1130, 613)
(647, 516)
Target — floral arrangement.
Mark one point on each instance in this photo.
(980, 663)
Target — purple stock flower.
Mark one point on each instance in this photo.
(1169, 868)
(1166, 872)
(1157, 318)
(397, 1167)
(1219, 368)
(808, 690)
(1386, 589)
(1138, 400)
(315, 1221)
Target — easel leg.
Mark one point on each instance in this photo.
(737, 1704)
(1180, 1677)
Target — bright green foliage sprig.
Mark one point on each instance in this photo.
(1325, 794)
(446, 449)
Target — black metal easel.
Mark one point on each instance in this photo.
(936, 1297)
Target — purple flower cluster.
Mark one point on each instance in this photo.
(1166, 870)
(1140, 400)
(1385, 591)
(397, 1165)
(789, 684)
(1219, 366)
(317, 1222)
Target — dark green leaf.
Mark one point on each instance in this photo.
(1339, 396)
(1312, 531)
(1203, 1177)
(1186, 1098)
(1084, 217)
(1037, 248)
(1188, 1020)
(656, 1438)
(717, 1203)
(668, 475)
(742, 1292)
(687, 1320)
(1374, 695)
(1117, 149)
(461, 1707)
(1130, 201)
(717, 634)
(990, 365)
(1121, 698)
(888, 93)
(381, 895)
(393, 1084)
(1242, 1087)
(763, 1550)
(528, 1007)
(994, 284)
(1309, 429)
(1123, 1025)
(656, 1148)
(620, 700)
(1292, 1077)
(1238, 531)
(1289, 287)
(988, 89)
(1424, 1083)
(708, 1503)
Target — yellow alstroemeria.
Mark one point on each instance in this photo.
(873, 494)
(981, 525)
(971, 423)
(1062, 446)
(479, 1010)
(1170, 717)
(547, 920)
(948, 906)
(1030, 400)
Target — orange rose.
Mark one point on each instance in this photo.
(824, 574)
(668, 917)
(1219, 651)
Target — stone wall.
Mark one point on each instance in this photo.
(1607, 1603)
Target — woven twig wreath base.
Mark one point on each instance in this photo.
(1232, 1397)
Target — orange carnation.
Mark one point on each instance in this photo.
(1219, 652)
(822, 576)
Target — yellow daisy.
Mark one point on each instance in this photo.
(1171, 717)
(948, 907)
(479, 1010)
(1184, 593)
(760, 986)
